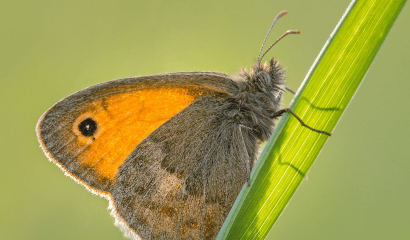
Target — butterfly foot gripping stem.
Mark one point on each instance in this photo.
(283, 111)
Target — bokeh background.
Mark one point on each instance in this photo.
(359, 187)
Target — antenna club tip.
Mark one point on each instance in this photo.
(284, 12)
(292, 32)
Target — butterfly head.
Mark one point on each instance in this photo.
(267, 78)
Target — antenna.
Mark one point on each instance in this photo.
(286, 33)
(267, 35)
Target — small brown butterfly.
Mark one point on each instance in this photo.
(170, 152)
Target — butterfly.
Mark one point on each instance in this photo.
(170, 152)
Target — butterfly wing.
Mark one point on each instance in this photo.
(90, 133)
(158, 147)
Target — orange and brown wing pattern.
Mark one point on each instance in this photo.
(181, 181)
(92, 132)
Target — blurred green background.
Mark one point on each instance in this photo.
(359, 187)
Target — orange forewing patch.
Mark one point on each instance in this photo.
(123, 121)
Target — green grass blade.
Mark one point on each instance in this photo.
(320, 102)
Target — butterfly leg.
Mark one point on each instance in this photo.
(283, 111)
(247, 160)
(290, 90)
